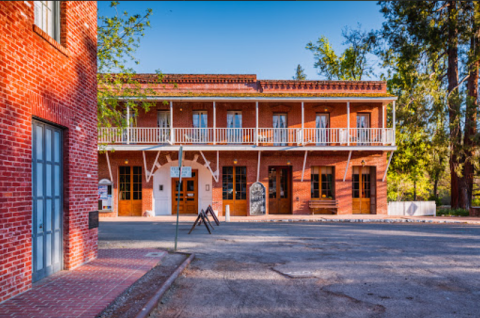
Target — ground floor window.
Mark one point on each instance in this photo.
(322, 183)
(234, 183)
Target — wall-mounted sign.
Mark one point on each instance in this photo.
(258, 199)
(186, 172)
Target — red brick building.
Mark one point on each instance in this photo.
(315, 146)
(48, 144)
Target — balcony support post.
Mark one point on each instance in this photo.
(348, 125)
(128, 125)
(172, 137)
(303, 130)
(393, 120)
(214, 123)
(388, 165)
(256, 125)
(258, 166)
(304, 163)
(348, 163)
(384, 132)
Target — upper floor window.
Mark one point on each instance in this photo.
(47, 17)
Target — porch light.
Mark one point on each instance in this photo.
(126, 161)
(363, 163)
(326, 109)
(288, 162)
(235, 161)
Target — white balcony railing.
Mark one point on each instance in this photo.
(262, 137)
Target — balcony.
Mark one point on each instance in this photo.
(262, 137)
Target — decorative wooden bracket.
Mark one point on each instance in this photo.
(207, 164)
(348, 163)
(148, 174)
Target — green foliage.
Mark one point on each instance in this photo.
(118, 39)
(300, 74)
(352, 64)
(452, 212)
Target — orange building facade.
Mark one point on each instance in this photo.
(256, 146)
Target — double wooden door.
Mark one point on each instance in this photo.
(130, 191)
(234, 190)
(187, 196)
(363, 190)
(279, 190)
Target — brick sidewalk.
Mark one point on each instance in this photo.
(85, 291)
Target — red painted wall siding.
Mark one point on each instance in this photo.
(56, 83)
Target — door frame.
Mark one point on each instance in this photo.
(174, 190)
(131, 188)
(35, 121)
(360, 189)
(233, 201)
(290, 190)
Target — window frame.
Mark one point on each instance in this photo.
(320, 182)
(56, 12)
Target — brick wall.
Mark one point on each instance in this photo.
(55, 82)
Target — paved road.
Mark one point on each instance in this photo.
(316, 270)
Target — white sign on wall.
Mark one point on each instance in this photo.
(186, 172)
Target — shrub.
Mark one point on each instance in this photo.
(476, 202)
(452, 212)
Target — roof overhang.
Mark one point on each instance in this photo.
(242, 148)
(264, 99)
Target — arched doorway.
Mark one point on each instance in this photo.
(163, 192)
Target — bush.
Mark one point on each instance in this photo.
(452, 212)
(476, 202)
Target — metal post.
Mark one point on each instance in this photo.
(256, 123)
(180, 154)
(348, 123)
(172, 136)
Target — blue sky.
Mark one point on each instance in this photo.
(263, 38)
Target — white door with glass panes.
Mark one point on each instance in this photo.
(363, 125)
(163, 123)
(280, 131)
(322, 123)
(200, 131)
(234, 125)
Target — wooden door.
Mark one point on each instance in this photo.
(234, 190)
(188, 195)
(361, 190)
(279, 190)
(130, 191)
(47, 205)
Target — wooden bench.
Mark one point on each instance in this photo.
(330, 205)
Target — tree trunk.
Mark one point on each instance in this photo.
(415, 190)
(471, 110)
(453, 101)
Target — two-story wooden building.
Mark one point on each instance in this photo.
(316, 146)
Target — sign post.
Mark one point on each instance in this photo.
(180, 153)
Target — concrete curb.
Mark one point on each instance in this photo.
(359, 221)
(152, 303)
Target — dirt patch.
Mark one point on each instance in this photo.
(131, 301)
